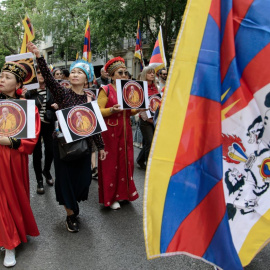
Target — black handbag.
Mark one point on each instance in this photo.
(74, 150)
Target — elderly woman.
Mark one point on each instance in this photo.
(16, 217)
(115, 174)
(146, 124)
(72, 178)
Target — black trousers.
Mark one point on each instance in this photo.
(46, 132)
(147, 130)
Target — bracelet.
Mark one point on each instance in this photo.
(111, 109)
(11, 143)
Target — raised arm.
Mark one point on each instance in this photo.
(55, 88)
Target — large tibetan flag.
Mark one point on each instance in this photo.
(29, 33)
(87, 54)
(158, 58)
(207, 180)
(138, 48)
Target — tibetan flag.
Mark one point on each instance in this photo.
(87, 54)
(138, 48)
(158, 58)
(29, 33)
(207, 194)
(51, 67)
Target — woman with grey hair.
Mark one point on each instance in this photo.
(146, 124)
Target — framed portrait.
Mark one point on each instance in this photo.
(81, 121)
(154, 103)
(132, 94)
(64, 83)
(92, 92)
(17, 118)
(27, 60)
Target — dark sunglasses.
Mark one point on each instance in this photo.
(122, 72)
(38, 72)
(164, 74)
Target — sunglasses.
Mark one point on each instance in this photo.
(164, 74)
(122, 72)
(38, 72)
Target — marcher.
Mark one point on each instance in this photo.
(162, 76)
(57, 74)
(65, 74)
(46, 106)
(73, 179)
(103, 79)
(16, 217)
(146, 124)
(115, 174)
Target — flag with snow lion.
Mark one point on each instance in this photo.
(207, 194)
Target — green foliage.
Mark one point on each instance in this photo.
(110, 21)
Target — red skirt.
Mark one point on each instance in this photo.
(115, 173)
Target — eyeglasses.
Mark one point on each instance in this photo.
(122, 72)
(38, 72)
(164, 74)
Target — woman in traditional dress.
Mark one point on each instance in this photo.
(16, 217)
(73, 178)
(146, 124)
(115, 174)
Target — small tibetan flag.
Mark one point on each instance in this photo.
(158, 59)
(138, 48)
(87, 54)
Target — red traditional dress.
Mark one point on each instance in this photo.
(115, 173)
(16, 217)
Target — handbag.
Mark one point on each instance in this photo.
(72, 151)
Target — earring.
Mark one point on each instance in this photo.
(19, 91)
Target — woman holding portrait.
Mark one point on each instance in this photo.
(115, 174)
(16, 217)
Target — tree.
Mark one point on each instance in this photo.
(11, 14)
(110, 22)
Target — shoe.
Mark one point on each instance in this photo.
(72, 224)
(95, 172)
(49, 179)
(40, 187)
(141, 165)
(10, 260)
(115, 206)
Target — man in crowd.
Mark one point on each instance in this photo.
(162, 78)
(103, 79)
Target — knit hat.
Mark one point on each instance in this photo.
(86, 67)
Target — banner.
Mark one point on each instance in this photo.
(132, 94)
(27, 60)
(81, 121)
(17, 118)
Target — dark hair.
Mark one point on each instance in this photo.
(65, 72)
(18, 80)
(160, 71)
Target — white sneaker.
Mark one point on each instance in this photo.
(10, 260)
(115, 206)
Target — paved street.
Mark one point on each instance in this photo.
(107, 239)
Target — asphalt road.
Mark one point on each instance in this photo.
(107, 239)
